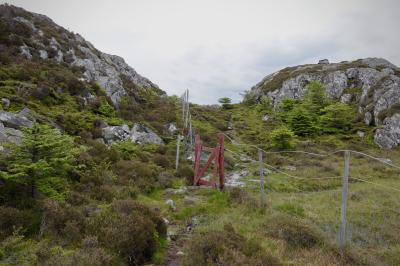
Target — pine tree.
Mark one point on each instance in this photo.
(337, 117)
(283, 138)
(42, 161)
(302, 122)
(225, 102)
(315, 97)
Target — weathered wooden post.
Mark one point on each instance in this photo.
(345, 185)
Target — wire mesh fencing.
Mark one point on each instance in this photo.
(351, 196)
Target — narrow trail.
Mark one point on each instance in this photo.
(179, 232)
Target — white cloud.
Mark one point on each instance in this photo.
(220, 48)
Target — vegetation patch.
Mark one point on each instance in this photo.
(226, 247)
(296, 232)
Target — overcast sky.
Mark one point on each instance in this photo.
(219, 48)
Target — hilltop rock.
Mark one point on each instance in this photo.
(323, 62)
(372, 83)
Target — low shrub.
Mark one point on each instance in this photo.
(237, 195)
(283, 138)
(165, 179)
(296, 232)
(12, 219)
(226, 247)
(129, 229)
(186, 171)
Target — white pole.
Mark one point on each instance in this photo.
(178, 140)
(345, 185)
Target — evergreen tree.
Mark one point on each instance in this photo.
(337, 117)
(225, 102)
(42, 161)
(315, 97)
(302, 122)
(283, 138)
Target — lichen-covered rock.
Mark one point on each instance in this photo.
(144, 135)
(138, 134)
(15, 121)
(115, 133)
(10, 135)
(389, 136)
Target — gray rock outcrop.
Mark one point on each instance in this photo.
(389, 136)
(372, 83)
(11, 123)
(139, 133)
(15, 121)
(144, 135)
(10, 135)
(115, 133)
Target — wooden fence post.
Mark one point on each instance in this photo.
(345, 185)
(262, 190)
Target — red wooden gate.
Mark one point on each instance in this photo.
(216, 156)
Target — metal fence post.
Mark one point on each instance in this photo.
(262, 190)
(345, 185)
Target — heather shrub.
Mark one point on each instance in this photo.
(143, 176)
(186, 171)
(162, 160)
(296, 232)
(165, 179)
(12, 219)
(128, 229)
(61, 220)
(226, 247)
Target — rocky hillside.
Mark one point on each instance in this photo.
(53, 76)
(36, 36)
(372, 84)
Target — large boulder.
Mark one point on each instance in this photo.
(15, 121)
(10, 135)
(115, 133)
(389, 136)
(144, 135)
(139, 133)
